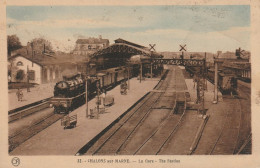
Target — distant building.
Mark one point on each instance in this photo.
(90, 45)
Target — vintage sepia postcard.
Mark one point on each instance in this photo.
(130, 84)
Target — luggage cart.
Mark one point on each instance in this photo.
(69, 121)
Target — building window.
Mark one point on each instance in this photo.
(19, 63)
(89, 47)
(31, 75)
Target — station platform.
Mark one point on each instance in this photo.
(54, 140)
(222, 134)
(36, 93)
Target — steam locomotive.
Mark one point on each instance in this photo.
(70, 93)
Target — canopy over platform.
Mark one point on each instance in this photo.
(119, 53)
(121, 49)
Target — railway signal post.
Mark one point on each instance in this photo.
(183, 48)
(239, 52)
(151, 70)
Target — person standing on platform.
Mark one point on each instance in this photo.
(103, 95)
(19, 94)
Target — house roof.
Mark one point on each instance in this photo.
(92, 41)
(19, 55)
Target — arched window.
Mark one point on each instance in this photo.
(89, 47)
(19, 63)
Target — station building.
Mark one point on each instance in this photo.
(22, 67)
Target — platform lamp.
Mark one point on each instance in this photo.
(128, 73)
(28, 82)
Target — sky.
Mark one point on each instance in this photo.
(201, 28)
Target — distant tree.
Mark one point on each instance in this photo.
(13, 43)
(41, 45)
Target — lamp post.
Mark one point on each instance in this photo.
(86, 88)
(28, 82)
(215, 100)
(128, 75)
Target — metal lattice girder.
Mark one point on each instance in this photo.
(183, 62)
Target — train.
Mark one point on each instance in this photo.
(226, 81)
(70, 93)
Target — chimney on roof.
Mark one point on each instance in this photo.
(100, 37)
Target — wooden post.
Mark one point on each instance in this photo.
(215, 100)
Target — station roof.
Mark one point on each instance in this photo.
(119, 40)
(124, 49)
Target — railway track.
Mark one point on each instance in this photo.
(133, 132)
(244, 138)
(229, 133)
(22, 135)
(157, 140)
(28, 109)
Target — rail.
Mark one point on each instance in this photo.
(29, 109)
